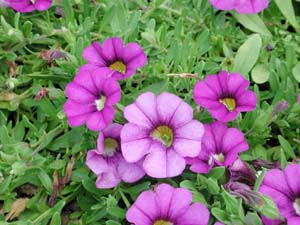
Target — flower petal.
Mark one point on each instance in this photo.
(147, 104)
(167, 105)
(107, 180)
(155, 163)
(111, 47)
(96, 162)
(79, 94)
(92, 55)
(42, 5)
(134, 56)
(129, 172)
(196, 214)
(134, 114)
(292, 174)
(96, 121)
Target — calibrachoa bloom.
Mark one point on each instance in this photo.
(225, 95)
(167, 205)
(220, 147)
(121, 60)
(107, 161)
(284, 188)
(161, 131)
(91, 98)
(241, 6)
(29, 5)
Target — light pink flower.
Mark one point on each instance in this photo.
(167, 206)
(161, 132)
(108, 163)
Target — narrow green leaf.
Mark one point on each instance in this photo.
(296, 72)
(286, 8)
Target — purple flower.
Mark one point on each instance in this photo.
(220, 147)
(166, 206)
(241, 6)
(284, 188)
(225, 95)
(161, 131)
(107, 161)
(25, 6)
(91, 97)
(121, 60)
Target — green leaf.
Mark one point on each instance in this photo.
(260, 74)
(252, 22)
(286, 147)
(56, 219)
(247, 55)
(269, 208)
(287, 9)
(212, 186)
(216, 172)
(296, 72)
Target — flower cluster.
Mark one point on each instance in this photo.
(161, 136)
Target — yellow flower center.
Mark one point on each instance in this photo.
(296, 206)
(100, 103)
(220, 157)
(164, 134)
(32, 1)
(162, 222)
(110, 146)
(118, 66)
(230, 103)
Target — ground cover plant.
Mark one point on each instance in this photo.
(149, 112)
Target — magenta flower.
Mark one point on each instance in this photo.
(220, 147)
(161, 132)
(224, 95)
(107, 161)
(121, 60)
(166, 206)
(284, 188)
(241, 6)
(91, 98)
(25, 6)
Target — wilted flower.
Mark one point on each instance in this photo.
(240, 172)
(42, 92)
(259, 164)
(225, 95)
(244, 191)
(284, 188)
(166, 206)
(281, 106)
(241, 6)
(107, 161)
(161, 131)
(121, 60)
(220, 147)
(91, 98)
(25, 6)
